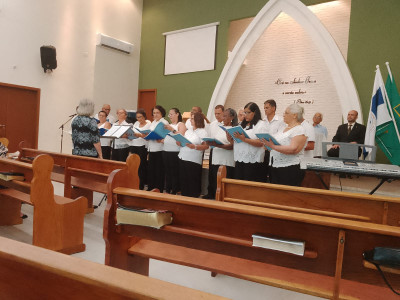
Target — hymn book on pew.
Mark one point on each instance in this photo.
(268, 137)
(7, 176)
(233, 130)
(143, 217)
(278, 244)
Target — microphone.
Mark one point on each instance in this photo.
(72, 115)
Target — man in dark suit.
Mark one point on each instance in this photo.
(351, 132)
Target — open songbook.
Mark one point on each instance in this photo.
(218, 142)
(268, 137)
(158, 133)
(180, 138)
(117, 131)
(234, 129)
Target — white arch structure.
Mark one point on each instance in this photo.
(323, 40)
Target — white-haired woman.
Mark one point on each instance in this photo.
(285, 157)
(85, 133)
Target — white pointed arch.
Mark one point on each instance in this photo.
(323, 40)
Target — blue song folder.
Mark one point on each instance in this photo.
(180, 138)
(234, 129)
(268, 137)
(158, 133)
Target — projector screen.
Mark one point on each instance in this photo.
(190, 50)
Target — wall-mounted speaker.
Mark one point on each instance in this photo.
(48, 57)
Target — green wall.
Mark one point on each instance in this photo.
(159, 16)
(374, 39)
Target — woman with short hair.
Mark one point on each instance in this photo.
(156, 174)
(104, 126)
(120, 149)
(171, 151)
(222, 154)
(139, 145)
(191, 157)
(285, 157)
(85, 133)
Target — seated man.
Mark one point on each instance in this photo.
(352, 132)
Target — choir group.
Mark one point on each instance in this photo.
(175, 167)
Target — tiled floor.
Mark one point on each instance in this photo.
(198, 279)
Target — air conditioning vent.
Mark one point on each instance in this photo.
(109, 42)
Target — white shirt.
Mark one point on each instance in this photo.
(246, 153)
(214, 127)
(122, 142)
(139, 142)
(154, 146)
(193, 155)
(274, 125)
(104, 141)
(222, 156)
(280, 160)
(170, 143)
(188, 125)
(310, 134)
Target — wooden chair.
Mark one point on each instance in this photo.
(57, 221)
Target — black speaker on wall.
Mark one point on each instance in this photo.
(48, 57)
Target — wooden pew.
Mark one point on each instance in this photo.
(29, 272)
(57, 221)
(371, 208)
(217, 237)
(80, 175)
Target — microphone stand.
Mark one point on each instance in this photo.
(62, 129)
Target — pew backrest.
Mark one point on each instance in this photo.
(372, 208)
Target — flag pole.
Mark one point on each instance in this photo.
(387, 100)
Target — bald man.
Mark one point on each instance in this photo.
(110, 118)
(350, 132)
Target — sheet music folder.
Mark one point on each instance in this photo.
(117, 131)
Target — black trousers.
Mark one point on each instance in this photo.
(211, 183)
(291, 175)
(171, 167)
(106, 151)
(213, 170)
(120, 154)
(190, 177)
(250, 171)
(156, 174)
(142, 152)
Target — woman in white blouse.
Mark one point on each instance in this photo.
(285, 157)
(156, 173)
(103, 126)
(223, 154)
(171, 151)
(139, 145)
(120, 149)
(249, 154)
(191, 157)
